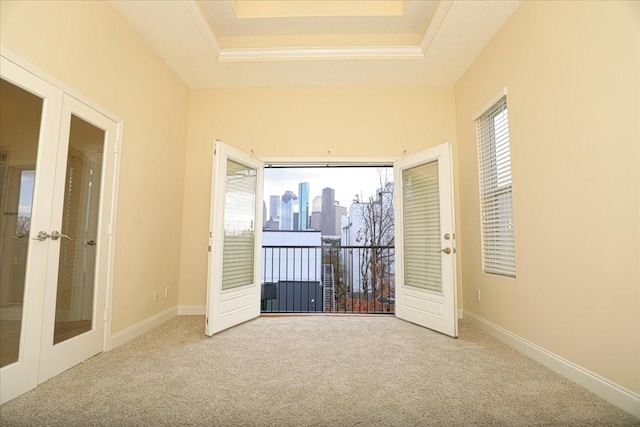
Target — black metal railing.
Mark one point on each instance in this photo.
(328, 279)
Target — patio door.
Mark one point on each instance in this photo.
(57, 189)
(233, 288)
(425, 240)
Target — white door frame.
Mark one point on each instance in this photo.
(446, 177)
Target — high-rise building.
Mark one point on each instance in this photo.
(296, 221)
(303, 200)
(316, 213)
(328, 220)
(274, 207)
(273, 224)
(264, 214)
(286, 213)
(340, 211)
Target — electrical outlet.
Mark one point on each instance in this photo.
(156, 295)
(166, 292)
(478, 295)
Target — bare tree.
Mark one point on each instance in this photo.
(23, 224)
(376, 235)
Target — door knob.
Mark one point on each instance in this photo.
(446, 250)
(91, 243)
(20, 236)
(56, 235)
(42, 235)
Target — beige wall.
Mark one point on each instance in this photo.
(87, 46)
(299, 122)
(571, 71)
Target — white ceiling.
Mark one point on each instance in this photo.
(421, 42)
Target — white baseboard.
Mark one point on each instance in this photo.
(192, 310)
(609, 391)
(140, 328)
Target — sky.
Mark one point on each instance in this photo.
(346, 181)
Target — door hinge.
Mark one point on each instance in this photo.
(110, 230)
(116, 147)
(106, 314)
(209, 248)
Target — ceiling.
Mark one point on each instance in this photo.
(255, 43)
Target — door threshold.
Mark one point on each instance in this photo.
(327, 314)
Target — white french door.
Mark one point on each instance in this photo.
(76, 285)
(425, 240)
(28, 145)
(57, 193)
(425, 287)
(235, 235)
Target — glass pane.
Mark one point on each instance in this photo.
(239, 220)
(20, 116)
(421, 216)
(76, 273)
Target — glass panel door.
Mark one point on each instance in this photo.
(233, 288)
(75, 290)
(425, 240)
(30, 111)
(58, 176)
(20, 117)
(74, 322)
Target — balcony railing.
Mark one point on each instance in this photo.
(328, 279)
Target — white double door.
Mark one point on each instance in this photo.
(425, 287)
(57, 158)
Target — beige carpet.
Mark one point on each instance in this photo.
(310, 371)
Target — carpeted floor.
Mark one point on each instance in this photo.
(310, 371)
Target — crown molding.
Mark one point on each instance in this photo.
(203, 25)
(306, 53)
(434, 26)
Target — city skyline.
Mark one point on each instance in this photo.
(347, 182)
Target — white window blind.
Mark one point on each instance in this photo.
(496, 205)
(239, 220)
(421, 219)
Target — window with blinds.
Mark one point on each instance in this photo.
(496, 205)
